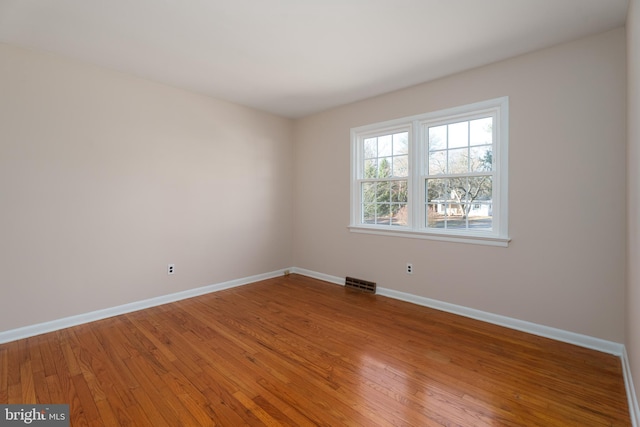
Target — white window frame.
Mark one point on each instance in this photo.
(416, 126)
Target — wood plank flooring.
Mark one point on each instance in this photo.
(297, 351)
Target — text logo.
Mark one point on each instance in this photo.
(34, 415)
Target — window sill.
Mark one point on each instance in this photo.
(474, 239)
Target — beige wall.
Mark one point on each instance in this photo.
(633, 190)
(565, 266)
(106, 178)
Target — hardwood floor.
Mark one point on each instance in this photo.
(297, 351)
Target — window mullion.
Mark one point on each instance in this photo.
(417, 188)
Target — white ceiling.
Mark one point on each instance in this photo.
(297, 57)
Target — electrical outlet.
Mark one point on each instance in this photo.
(409, 268)
(171, 269)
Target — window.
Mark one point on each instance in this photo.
(440, 175)
(385, 179)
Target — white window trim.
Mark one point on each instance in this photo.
(499, 107)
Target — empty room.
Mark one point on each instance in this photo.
(338, 213)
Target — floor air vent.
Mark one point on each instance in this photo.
(360, 285)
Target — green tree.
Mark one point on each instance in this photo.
(383, 193)
(384, 198)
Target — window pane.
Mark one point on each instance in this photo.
(480, 188)
(399, 214)
(458, 161)
(368, 192)
(383, 191)
(383, 214)
(370, 168)
(384, 167)
(435, 215)
(436, 189)
(383, 206)
(481, 216)
(459, 188)
(399, 191)
(401, 143)
(456, 219)
(401, 166)
(481, 158)
(437, 138)
(368, 213)
(437, 162)
(481, 131)
(458, 135)
(469, 203)
(385, 203)
(439, 202)
(370, 148)
(384, 146)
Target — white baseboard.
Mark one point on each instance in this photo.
(319, 276)
(634, 410)
(593, 343)
(66, 322)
